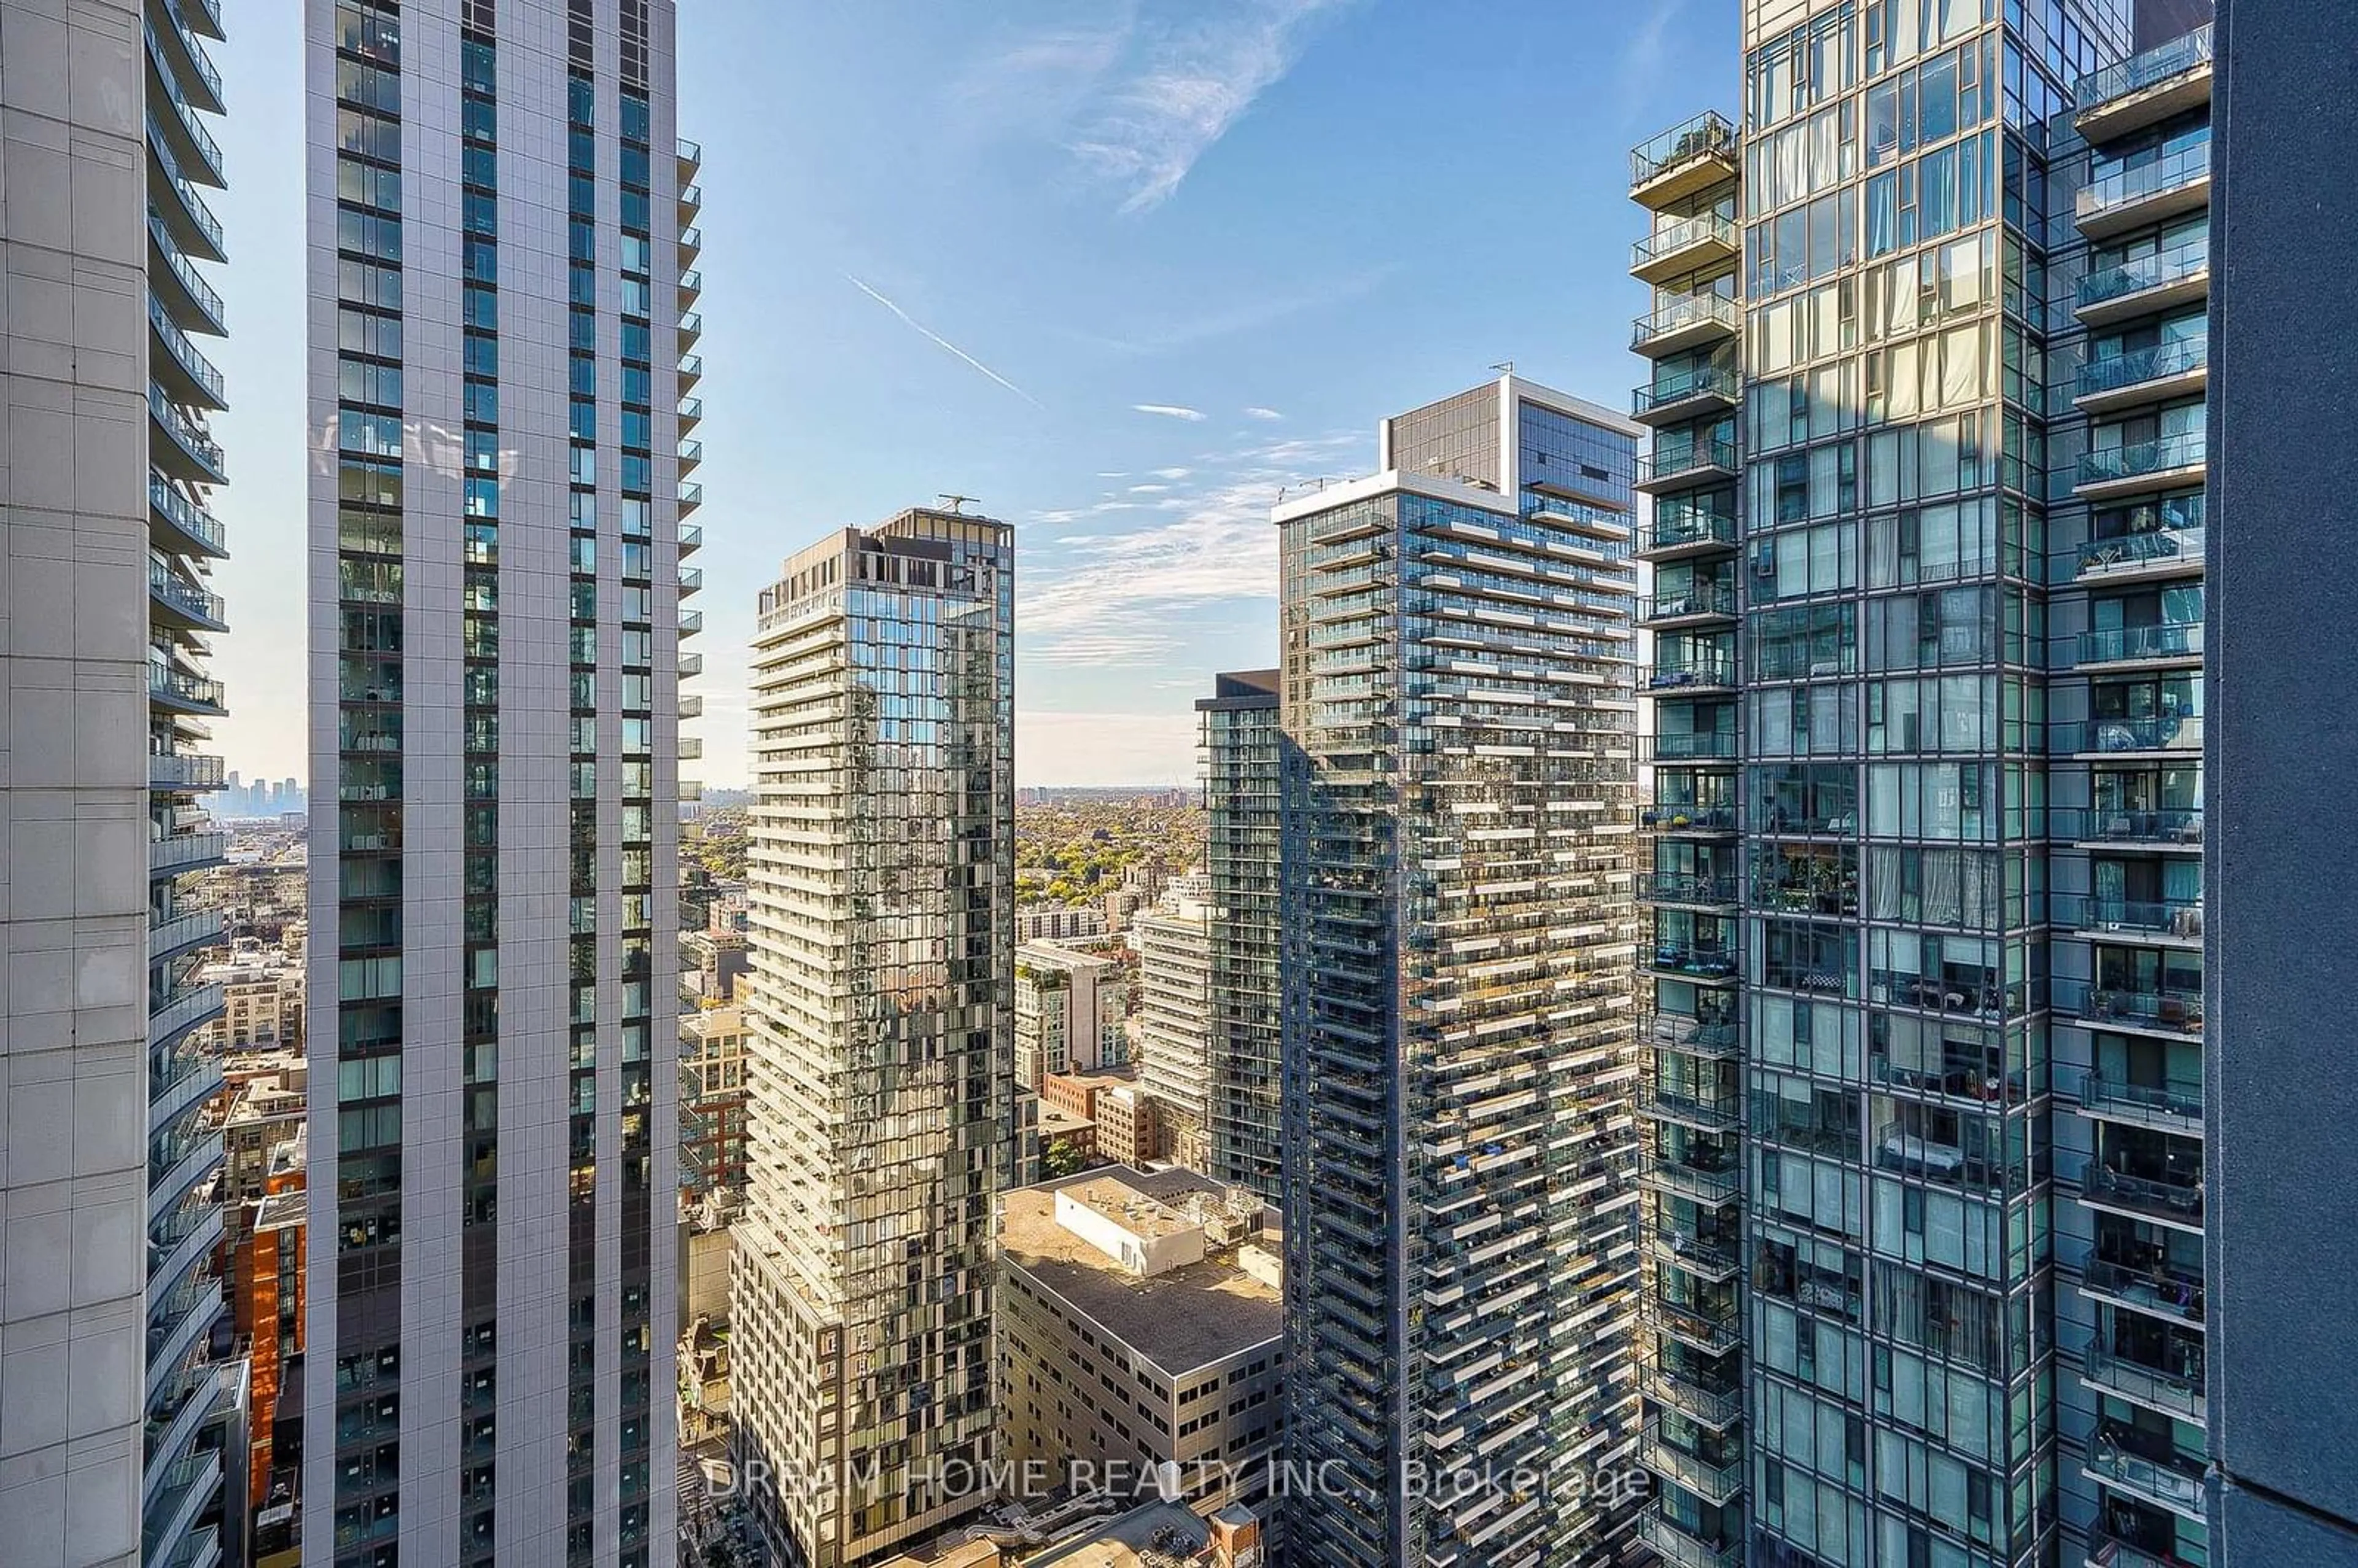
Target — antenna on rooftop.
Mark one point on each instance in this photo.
(1504, 367)
(956, 503)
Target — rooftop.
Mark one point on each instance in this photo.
(1166, 1528)
(1179, 1319)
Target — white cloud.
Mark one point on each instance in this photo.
(941, 341)
(1257, 412)
(1148, 489)
(1171, 411)
(1105, 749)
(1172, 473)
(1194, 80)
(1111, 473)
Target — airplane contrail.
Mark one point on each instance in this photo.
(941, 341)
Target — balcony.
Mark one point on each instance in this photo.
(691, 665)
(2174, 1293)
(1685, 322)
(691, 453)
(186, 692)
(691, 370)
(2115, 472)
(1682, 529)
(691, 202)
(188, 1492)
(2165, 1107)
(1706, 241)
(2174, 1013)
(1687, 891)
(690, 748)
(691, 412)
(2166, 1200)
(691, 158)
(2157, 647)
(1712, 1333)
(194, 147)
(1704, 1258)
(186, 852)
(2178, 1394)
(182, 1014)
(1691, 678)
(691, 242)
(2157, 375)
(169, 1431)
(196, 928)
(691, 328)
(1713, 1482)
(177, 526)
(2147, 193)
(1711, 1040)
(1687, 818)
(190, 1239)
(1712, 1188)
(691, 621)
(2127, 737)
(2172, 921)
(1685, 465)
(194, 229)
(691, 496)
(194, 455)
(1712, 1404)
(186, 772)
(1659, 1104)
(2110, 1551)
(2146, 89)
(184, 602)
(1680, 395)
(184, 291)
(1671, 1543)
(690, 706)
(691, 539)
(2147, 285)
(2171, 1483)
(691, 287)
(1701, 603)
(1706, 746)
(186, 1076)
(191, 1162)
(2162, 553)
(1711, 962)
(2101, 827)
(1683, 161)
(192, 68)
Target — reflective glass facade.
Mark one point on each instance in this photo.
(496, 589)
(1242, 755)
(881, 880)
(1457, 946)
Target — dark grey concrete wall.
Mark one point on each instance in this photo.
(2282, 779)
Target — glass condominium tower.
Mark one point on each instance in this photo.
(1242, 749)
(115, 1411)
(501, 221)
(881, 880)
(1927, 822)
(1459, 1136)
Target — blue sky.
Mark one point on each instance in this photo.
(1119, 269)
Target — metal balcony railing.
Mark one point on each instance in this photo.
(177, 686)
(167, 585)
(2183, 1101)
(2111, 465)
(1707, 134)
(2169, 1199)
(2101, 913)
(2176, 1291)
(2177, 1011)
(1671, 461)
(185, 514)
(1704, 228)
(184, 771)
(2183, 733)
(2180, 261)
(2160, 363)
(2186, 52)
(2121, 643)
(1678, 387)
(1701, 599)
(2180, 1392)
(1681, 524)
(2130, 551)
(1679, 315)
(200, 445)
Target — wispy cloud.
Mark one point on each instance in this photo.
(1148, 489)
(1645, 56)
(1172, 473)
(1257, 412)
(942, 342)
(1171, 411)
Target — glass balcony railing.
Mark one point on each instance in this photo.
(1706, 381)
(177, 686)
(2176, 1009)
(2180, 55)
(182, 595)
(1713, 1334)
(1715, 1482)
(2128, 552)
(1673, 316)
(1660, 680)
(181, 850)
(690, 152)
(691, 240)
(183, 931)
(2184, 1101)
(185, 514)
(1670, 1541)
(1699, 960)
(691, 665)
(1672, 461)
(691, 580)
(1706, 1037)
(1693, 747)
(2163, 1198)
(2178, 1390)
(1708, 134)
(2121, 643)
(2110, 465)
(208, 302)
(184, 113)
(2158, 917)
(691, 539)
(1684, 523)
(2181, 261)
(184, 771)
(691, 368)
(1706, 228)
(691, 411)
(2177, 1482)
(2163, 362)
(2114, 735)
(1685, 887)
(1703, 598)
(2181, 825)
(193, 364)
(1687, 817)
(691, 325)
(691, 621)
(200, 217)
(691, 496)
(2108, 1550)
(2128, 188)
(200, 447)
(2175, 1292)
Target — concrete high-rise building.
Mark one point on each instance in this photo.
(1243, 752)
(500, 252)
(1459, 1141)
(1173, 942)
(1927, 1036)
(1070, 1008)
(112, 1422)
(881, 880)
